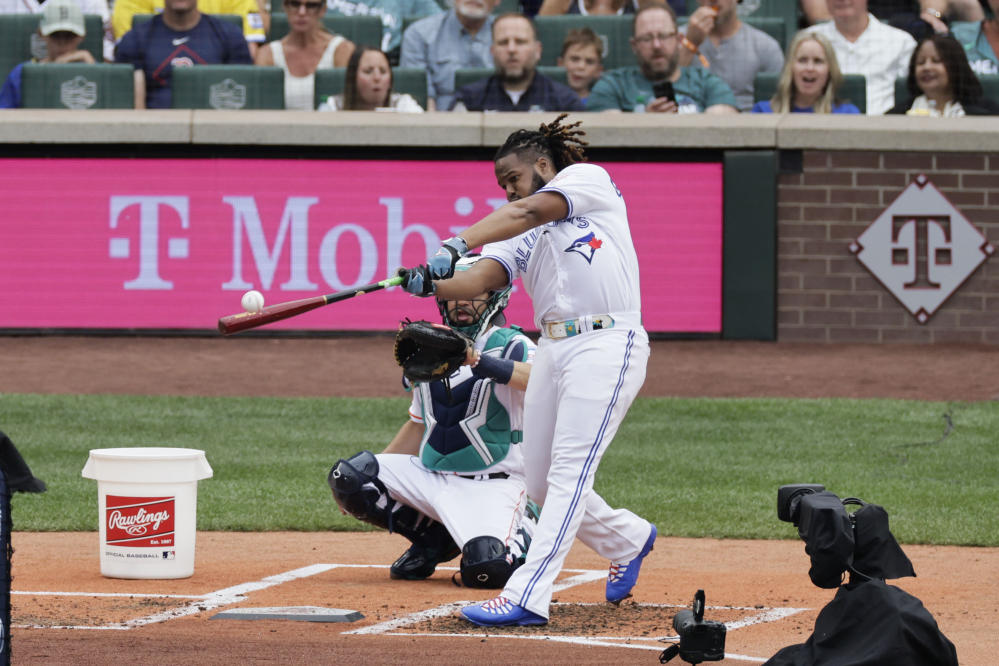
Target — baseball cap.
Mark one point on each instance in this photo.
(62, 15)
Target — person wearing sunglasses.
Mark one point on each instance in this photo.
(307, 47)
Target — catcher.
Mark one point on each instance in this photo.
(452, 480)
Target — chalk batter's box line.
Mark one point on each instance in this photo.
(224, 597)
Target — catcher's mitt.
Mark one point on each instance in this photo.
(428, 351)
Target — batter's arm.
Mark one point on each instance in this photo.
(407, 440)
(516, 217)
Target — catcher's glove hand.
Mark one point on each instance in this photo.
(428, 351)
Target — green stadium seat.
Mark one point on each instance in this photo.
(362, 30)
(785, 9)
(853, 90)
(409, 80)
(235, 19)
(77, 86)
(901, 90)
(614, 31)
(773, 26)
(228, 87)
(16, 39)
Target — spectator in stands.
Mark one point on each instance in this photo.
(809, 81)
(98, 7)
(516, 85)
(444, 43)
(256, 20)
(582, 58)
(601, 7)
(981, 39)
(63, 30)
(735, 52)
(179, 37)
(864, 45)
(656, 43)
(917, 17)
(307, 47)
(941, 83)
(391, 12)
(368, 86)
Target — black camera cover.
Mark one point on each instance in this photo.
(827, 531)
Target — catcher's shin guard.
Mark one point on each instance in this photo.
(357, 489)
(486, 562)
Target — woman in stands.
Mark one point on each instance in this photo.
(368, 86)
(307, 47)
(941, 83)
(809, 81)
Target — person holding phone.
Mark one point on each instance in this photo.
(655, 43)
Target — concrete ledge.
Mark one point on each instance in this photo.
(321, 128)
(652, 130)
(97, 126)
(489, 130)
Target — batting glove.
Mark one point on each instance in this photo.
(418, 282)
(441, 265)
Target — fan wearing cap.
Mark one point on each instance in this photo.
(62, 29)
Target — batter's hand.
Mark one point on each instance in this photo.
(417, 281)
(441, 265)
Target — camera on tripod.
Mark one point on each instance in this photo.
(700, 639)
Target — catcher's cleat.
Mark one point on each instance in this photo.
(501, 612)
(623, 575)
(419, 563)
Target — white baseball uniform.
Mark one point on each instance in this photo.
(582, 275)
(467, 437)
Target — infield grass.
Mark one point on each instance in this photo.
(696, 467)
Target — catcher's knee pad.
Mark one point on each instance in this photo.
(485, 562)
(358, 491)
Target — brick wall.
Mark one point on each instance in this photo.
(825, 294)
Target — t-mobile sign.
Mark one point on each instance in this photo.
(174, 243)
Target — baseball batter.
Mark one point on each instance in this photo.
(452, 479)
(565, 234)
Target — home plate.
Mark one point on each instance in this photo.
(298, 613)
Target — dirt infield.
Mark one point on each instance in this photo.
(65, 612)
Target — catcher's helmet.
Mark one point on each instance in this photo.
(491, 312)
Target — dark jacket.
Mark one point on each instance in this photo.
(980, 107)
(543, 94)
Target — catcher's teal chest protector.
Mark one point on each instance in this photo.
(468, 428)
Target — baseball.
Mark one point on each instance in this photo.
(253, 301)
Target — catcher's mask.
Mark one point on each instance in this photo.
(486, 310)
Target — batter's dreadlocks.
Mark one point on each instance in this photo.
(559, 143)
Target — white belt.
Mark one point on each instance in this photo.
(571, 327)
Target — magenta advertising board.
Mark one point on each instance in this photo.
(174, 243)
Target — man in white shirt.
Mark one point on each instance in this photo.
(867, 46)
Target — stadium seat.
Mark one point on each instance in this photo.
(362, 30)
(228, 87)
(853, 90)
(785, 9)
(235, 19)
(16, 45)
(410, 80)
(614, 31)
(77, 86)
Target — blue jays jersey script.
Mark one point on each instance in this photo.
(584, 264)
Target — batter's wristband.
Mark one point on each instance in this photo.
(492, 367)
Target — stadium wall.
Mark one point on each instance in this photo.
(835, 177)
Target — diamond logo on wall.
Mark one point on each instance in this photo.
(922, 249)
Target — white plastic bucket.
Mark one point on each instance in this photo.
(147, 502)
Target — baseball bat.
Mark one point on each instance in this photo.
(244, 320)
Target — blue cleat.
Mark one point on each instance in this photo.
(623, 575)
(501, 612)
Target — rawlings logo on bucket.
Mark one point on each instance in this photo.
(140, 522)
